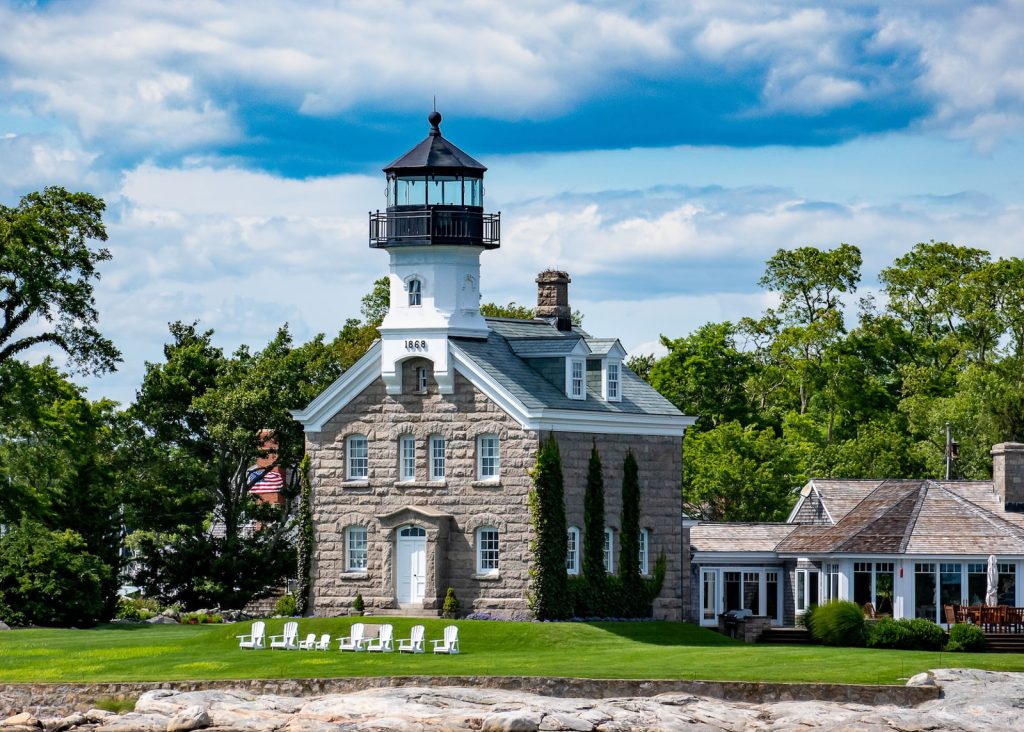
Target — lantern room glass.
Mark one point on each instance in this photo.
(435, 190)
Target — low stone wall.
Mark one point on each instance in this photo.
(62, 699)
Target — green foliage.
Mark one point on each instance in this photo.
(732, 473)
(704, 374)
(286, 606)
(47, 273)
(654, 583)
(50, 578)
(549, 596)
(837, 623)
(136, 608)
(375, 303)
(358, 605)
(592, 559)
(201, 617)
(634, 596)
(450, 608)
(305, 542)
(512, 310)
(966, 637)
(906, 634)
(115, 704)
(641, 365)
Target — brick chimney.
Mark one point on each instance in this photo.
(553, 299)
(1008, 474)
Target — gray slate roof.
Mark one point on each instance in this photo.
(498, 357)
(922, 517)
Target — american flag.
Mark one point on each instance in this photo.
(266, 480)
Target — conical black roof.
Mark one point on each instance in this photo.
(436, 153)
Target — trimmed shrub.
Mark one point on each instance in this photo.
(358, 605)
(450, 608)
(838, 623)
(907, 635)
(286, 606)
(50, 578)
(928, 636)
(966, 637)
(549, 587)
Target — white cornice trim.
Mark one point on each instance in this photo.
(734, 557)
(567, 420)
(334, 398)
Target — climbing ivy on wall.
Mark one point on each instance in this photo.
(305, 543)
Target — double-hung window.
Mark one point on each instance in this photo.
(609, 551)
(613, 383)
(415, 293)
(572, 552)
(487, 550)
(436, 457)
(355, 549)
(643, 538)
(406, 458)
(358, 457)
(488, 457)
(577, 375)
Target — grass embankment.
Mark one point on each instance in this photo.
(595, 650)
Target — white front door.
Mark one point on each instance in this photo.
(709, 600)
(411, 567)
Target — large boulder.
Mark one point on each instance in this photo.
(4, 626)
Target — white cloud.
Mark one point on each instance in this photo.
(153, 77)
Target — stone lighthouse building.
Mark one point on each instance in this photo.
(420, 453)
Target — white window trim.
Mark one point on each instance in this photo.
(406, 441)
(609, 550)
(569, 364)
(431, 471)
(349, 473)
(608, 363)
(349, 531)
(480, 569)
(644, 541)
(573, 552)
(480, 458)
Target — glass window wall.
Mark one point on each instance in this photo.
(924, 591)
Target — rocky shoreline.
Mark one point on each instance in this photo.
(971, 700)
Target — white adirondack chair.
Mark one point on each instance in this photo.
(257, 637)
(414, 643)
(324, 643)
(289, 640)
(450, 642)
(384, 642)
(352, 642)
(309, 643)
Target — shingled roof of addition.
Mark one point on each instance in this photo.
(738, 537)
(497, 355)
(913, 517)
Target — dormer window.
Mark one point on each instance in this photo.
(415, 293)
(577, 376)
(613, 381)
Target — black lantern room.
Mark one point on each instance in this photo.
(435, 196)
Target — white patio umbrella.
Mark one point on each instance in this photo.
(992, 582)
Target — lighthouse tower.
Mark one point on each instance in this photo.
(434, 230)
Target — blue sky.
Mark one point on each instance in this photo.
(658, 151)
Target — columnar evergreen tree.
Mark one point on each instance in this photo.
(549, 598)
(593, 524)
(629, 538)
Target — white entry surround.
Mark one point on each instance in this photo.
(449, 305)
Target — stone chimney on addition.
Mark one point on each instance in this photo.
(1008, 474)
(553, 299)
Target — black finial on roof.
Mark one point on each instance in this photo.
(435, 123)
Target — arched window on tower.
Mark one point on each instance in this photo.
(415, 293)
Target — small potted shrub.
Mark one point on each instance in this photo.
(450, 609)
(358, 606)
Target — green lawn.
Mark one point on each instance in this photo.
(596, 650)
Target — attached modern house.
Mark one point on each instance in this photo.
(908, 547)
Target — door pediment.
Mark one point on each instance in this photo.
(436, 522)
